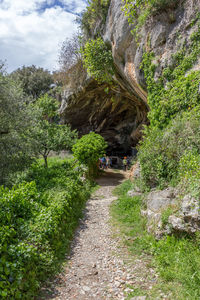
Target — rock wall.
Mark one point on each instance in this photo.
(119, 113)
(109, 111)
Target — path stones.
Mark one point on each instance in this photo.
(99, 267)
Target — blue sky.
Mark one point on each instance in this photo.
(32, 31)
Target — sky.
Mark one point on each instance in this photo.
(32, 31)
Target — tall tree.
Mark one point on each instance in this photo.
(71, 67)
(35, 81)
(14, 121)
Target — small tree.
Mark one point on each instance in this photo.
(88, 149)
(47, 135)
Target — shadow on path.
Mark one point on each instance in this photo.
(111, 178)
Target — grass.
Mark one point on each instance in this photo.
(175, 258)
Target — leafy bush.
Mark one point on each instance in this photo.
(189, 172)
(98, 61)
(165, 153)
(15, 118)
(89, 149)
(36, 224)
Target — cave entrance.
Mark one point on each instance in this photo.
(117, 155)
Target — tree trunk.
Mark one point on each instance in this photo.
(45, 161)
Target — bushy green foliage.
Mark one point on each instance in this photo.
(96, 11)
(35, 81)
(175, 258)
(189, 172)
(98, 61)
(37, 220)
(163, 151)
(15, 118)
(89, 149)
(174, 117)
(47, 135)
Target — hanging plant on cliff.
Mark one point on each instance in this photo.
(95, 13)
(97, 59)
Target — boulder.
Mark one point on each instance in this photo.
(160, 200)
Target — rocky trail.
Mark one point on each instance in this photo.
(99, 266)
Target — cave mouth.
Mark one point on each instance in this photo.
(121, 152)
(113, 112)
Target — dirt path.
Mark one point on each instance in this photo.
(98, 266)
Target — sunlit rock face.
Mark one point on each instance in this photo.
(111, 112)
(164, 34)
(119, 114)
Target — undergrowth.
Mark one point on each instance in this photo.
(170, 152)
(38, 216)
(176, 259)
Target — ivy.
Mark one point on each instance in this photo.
(139, 11)
(173, 92)
(170, 150)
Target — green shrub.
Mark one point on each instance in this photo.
(89, 149)
(98, 61)
(164, 153)
(189, 172)
(37, 221)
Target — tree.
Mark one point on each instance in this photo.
(35, 81)
(16, 151)
(89, 149)
(70, 52)
(70, 61)
(47, 135)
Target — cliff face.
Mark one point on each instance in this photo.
(118, 113)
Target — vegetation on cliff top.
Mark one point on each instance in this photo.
(98, 60)
(94, 15)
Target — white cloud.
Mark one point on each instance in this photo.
(29, 35)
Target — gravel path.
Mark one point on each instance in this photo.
(98, 266)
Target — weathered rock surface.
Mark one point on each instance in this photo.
(189, 216)
(163, 34)
(160, 200)
(120, 113)
(185, 215)
(113, 113)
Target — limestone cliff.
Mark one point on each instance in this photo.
(118, 113)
